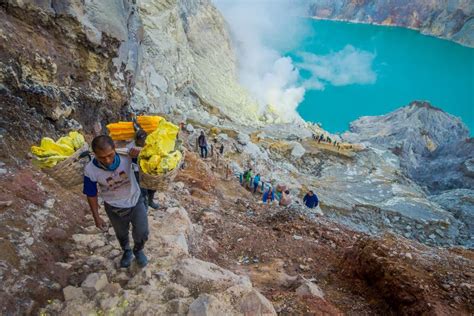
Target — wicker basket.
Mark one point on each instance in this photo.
(159, 182)
(70, 172)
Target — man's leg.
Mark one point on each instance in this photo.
(140, 232)
(205, 151)
(121, 226)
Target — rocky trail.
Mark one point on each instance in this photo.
(215, 249)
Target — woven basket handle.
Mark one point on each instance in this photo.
(85, 154)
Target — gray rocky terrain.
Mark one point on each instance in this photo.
(82, 64)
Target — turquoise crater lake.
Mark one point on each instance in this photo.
(375, 69)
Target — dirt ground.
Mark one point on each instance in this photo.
(358, 274)
(275, 247)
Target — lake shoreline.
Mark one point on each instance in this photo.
(391, 25)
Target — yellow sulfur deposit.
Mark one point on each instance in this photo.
(158, 156)
(49, 152)
(125, 130)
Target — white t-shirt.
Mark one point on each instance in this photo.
(130, 146)
(119, 188)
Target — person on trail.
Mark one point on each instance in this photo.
(248, 178)
(268, 196)
(221, 149)
(321, 137)
(311, 200)
(278, 192)
(285, 198)
(202, 142)
(256, 181)
(148, 195)
(110, 175)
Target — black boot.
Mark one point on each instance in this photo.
(151, 196)
(127, 258)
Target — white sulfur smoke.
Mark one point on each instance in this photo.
(345, 67)
(271, 78)
(260, 29)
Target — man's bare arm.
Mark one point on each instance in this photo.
(94, 206)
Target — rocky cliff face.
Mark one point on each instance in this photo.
(434, 150)
(434, 147)
(56, 69)
(452, 20)
(187, 63)
(79, 63)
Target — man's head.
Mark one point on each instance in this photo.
(140, 137)
(202, 133)
(287, 192)
(104, 149)
(311, 193)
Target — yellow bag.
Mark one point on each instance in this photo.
(125, 130)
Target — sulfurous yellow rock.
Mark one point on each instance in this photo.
(158, 156)
(49, 152)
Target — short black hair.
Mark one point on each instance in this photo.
(140, 134)
(102, 142)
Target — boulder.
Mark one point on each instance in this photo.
(73, 293)
(308, 288)
(176, 221)
(255, 303)
(83, 240)
(94, 282)
(243, 139)
(207, 305)
(179, 306)
(298, 151)
(205, 277)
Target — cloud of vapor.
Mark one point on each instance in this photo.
(270, 77)
(345, 67)
(261, 29)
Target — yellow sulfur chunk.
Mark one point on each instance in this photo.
(169, 162)
(66, 141)
(49, 153)
(64, 150)
(156, 157)
(48, 162)
(77, 139)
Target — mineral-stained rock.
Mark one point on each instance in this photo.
(73, 293)
(208, 305)
(309, 289)
(298, 151)
(94, 282)
(255, 303)
(204, 277)
(179, 306)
